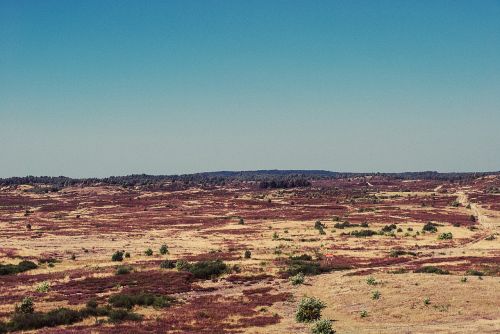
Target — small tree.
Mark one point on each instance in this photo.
(148, 252)
(248, 254)
(309, 309)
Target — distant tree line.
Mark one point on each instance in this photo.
(264, 179)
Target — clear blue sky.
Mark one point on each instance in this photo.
(97, 88)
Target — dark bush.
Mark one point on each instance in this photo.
(363, 233)
(248, 254)
(168, 264)
(117, 256)
(123, 270)
(163, 249)
(207, 269)
(9, 269)
(128, 301)
(123, 315)
(389, 228)
(400, 252)
(432, 270)
(430, 227)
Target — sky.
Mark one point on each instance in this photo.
(98, 88)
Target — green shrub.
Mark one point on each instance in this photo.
(297, 279)
(400, 252)
(305, 267)
(36, 320)
(318, 225)
(375, 295)
(432, 270)
(207, 269)
(322, 327)
(148, 252)
(248, 254)
(10, 269)
(127, 255)
(241, 221)
(363, 233)
(181, 265)
(363, 314)
(123, 270)
(474, 272)
(27, 306)
(117, 256)
(430, 227)
(427, 301)
(168, 264)
(43, 287)
(309, 309)
(163, 249)
(445, 236)
(389, 228)
(128, 301)
(120, 315)
(371, 281)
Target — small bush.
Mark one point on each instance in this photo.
(163, 249)
(117, 256)
(297, 279)
(474, 272)
(371, 281)
(168, 264)
(363, 314)
(128, 301)
(430, 227)
(309, 309)
(432, 270)
(389, 228)
(241, 221)
(181, 265)
(43, 287)
(427, 301)
(148, 252)
(207, 269)
(363, 233)
(123, 270)
(127, 255)
(400, 252)
(445, 236)
(376, 295)
(10, 269)
(248, 254)
(322, 327)
(120, 315)
(27, 306)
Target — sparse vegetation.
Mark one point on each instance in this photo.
(148, 252)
